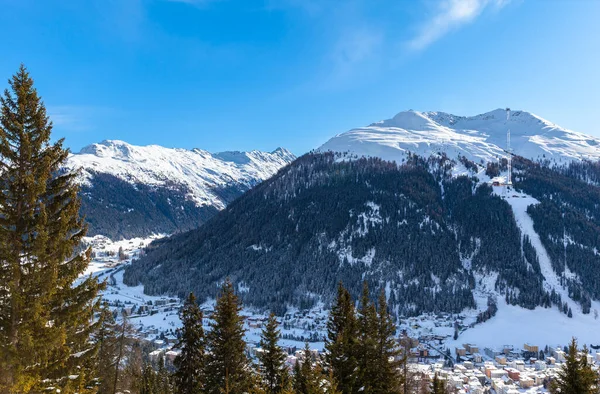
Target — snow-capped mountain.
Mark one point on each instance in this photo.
(434, 242)
(434, 232)
(139, 190)
(200, 171)
(481, 137)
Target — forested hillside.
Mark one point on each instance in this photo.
(119, 209)
(418, 232)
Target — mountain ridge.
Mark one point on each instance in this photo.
(195, 168)
(131, 191)
(481, 138)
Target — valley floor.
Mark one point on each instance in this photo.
(156, 317)
(156, 320)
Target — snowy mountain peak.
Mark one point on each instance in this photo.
(197, 170)
(480, 137)
(108, 148)
(407, 119)
(284, 153)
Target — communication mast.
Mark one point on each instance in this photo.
(508, 150)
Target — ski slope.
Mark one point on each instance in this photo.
(514, 325)
(519, 202)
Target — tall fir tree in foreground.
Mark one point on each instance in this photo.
(576, 375)
(308, 376)
(273, 371)
(363, 355)
(367, 353)
(45, 317)
(228, 368)
(107, 338)
(189, 377)
(341, 344)
(437, 385)
(389, 358)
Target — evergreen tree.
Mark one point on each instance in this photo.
(124, 348)
(107, 339)
(341, 344)
(299, 381)
(576, 376)
(388, 361)
(424, 384)
(437, 385)
(190, 363)
(407, 376)
(308, 378)
(332, 386)
(272, 359)
(132, 373)
(45, 316)
(367, 355)
(589, 377)
(122, 255)
(228, 369)
(163, 378)
(148, 385)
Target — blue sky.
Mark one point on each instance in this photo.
(258, 74)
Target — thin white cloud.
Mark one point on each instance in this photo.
(355, 49)
(76, 117)
(451, 15)
(196, 3)
(311, 7)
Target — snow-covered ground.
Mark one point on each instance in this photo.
(513, 325)
(516, 326)
(519, 203)
(200, 171)
(156, 317)
(107, 266)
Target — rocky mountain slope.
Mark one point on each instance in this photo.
(132, 191)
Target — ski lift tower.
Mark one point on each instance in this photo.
(508, 150)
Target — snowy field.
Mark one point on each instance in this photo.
(163, 319)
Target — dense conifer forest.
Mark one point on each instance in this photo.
(413, 229)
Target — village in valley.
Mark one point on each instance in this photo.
(432, 340)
